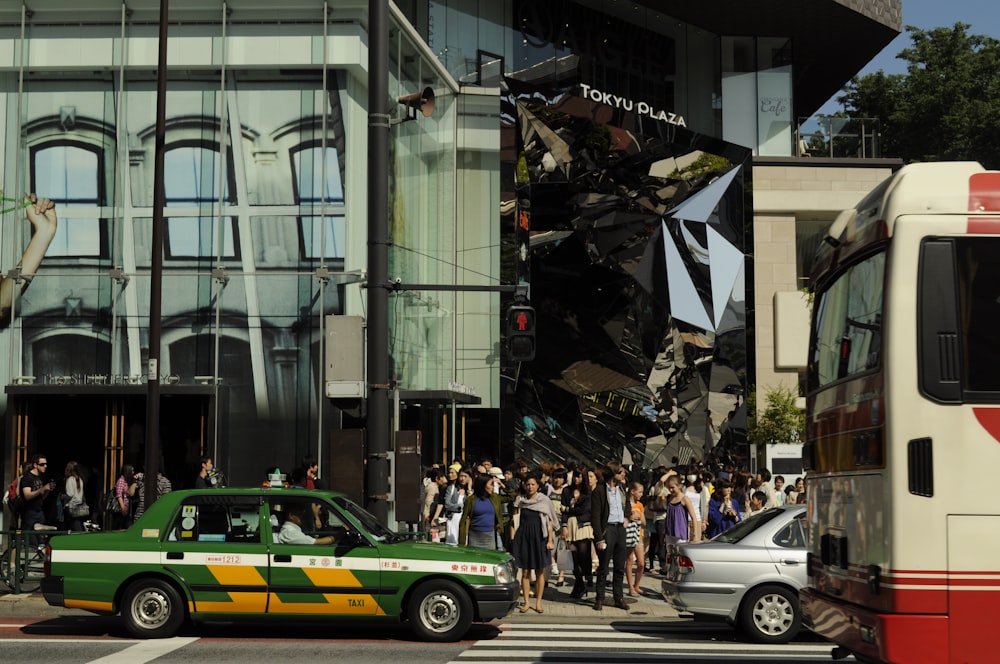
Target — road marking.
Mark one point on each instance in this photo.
(95, 639)
(657, 644)
(146, 651)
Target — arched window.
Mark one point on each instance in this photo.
(71, 173)
(191, 180)
(317, 183)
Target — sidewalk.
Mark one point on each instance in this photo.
(556, 603)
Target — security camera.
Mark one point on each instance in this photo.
(397, 281)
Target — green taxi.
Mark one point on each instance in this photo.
(224, 554)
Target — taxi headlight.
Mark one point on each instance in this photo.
(504, 573)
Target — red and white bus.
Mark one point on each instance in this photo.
(903, 435)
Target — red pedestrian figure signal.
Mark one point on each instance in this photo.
(521, 333)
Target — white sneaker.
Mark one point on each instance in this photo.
(42, 526)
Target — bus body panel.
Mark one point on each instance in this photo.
(898, 571)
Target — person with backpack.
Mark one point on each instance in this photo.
(13, 501)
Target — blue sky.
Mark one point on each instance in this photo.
(982, 15)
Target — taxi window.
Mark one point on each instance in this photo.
(314, 518)
(220, 519)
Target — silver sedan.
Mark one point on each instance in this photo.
(749, 574)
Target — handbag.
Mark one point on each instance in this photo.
(80, 510)
(110, 503)
(564, 557)
(632, 534)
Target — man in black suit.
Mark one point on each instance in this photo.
(609, 516)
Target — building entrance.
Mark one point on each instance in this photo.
(104, 428)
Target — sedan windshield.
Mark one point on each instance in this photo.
(744, 528)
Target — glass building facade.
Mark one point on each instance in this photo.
(264, 232)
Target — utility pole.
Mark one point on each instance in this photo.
(377, 439)
(156, 270)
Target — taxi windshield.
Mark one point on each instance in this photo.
(379, 532)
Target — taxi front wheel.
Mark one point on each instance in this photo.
(440, 610)
(152, 609)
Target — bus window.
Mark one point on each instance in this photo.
(848, 324)
(979, 261)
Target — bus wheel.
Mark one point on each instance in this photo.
(771, 614)
(440, 610)
(152, 609)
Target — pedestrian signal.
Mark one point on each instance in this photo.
(521, 333)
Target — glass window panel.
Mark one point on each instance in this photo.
(191, 175)
(67, 173)
(198, 237)
(314, 236)
(76, 237)
(848, 323)
(309, 175)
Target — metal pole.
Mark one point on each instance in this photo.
(156, 270)
(377, 469)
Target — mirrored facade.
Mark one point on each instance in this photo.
(635, 234)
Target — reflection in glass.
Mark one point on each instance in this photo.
(310, 172)
(191, 175)
(636, 236)
(197, 237)
(70, 174)
(315, 236)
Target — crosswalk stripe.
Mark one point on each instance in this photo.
(535, 656)
(622, 643)
(503, 643)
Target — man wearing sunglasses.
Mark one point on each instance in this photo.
(35, 488)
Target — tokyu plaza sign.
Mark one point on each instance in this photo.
(640, 107)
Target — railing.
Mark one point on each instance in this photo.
(21, 561)
(837, 136)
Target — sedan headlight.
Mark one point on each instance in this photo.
(504, 573)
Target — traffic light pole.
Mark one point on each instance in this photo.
(379, 121)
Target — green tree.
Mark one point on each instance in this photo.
(781, 420)
(946, 105)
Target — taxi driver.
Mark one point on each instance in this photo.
(291, 529)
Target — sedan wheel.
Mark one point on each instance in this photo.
(771, 614)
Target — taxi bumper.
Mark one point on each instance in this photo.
(52, 590)
(495, 600)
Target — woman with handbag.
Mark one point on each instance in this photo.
(579, 533)
(75, 505)
(634, 535)
(534, 539)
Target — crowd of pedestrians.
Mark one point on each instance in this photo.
(602, 525)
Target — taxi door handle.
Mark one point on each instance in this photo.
(282, 558)
(175, 555)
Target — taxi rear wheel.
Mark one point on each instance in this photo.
(153, 609)
(440, 610)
